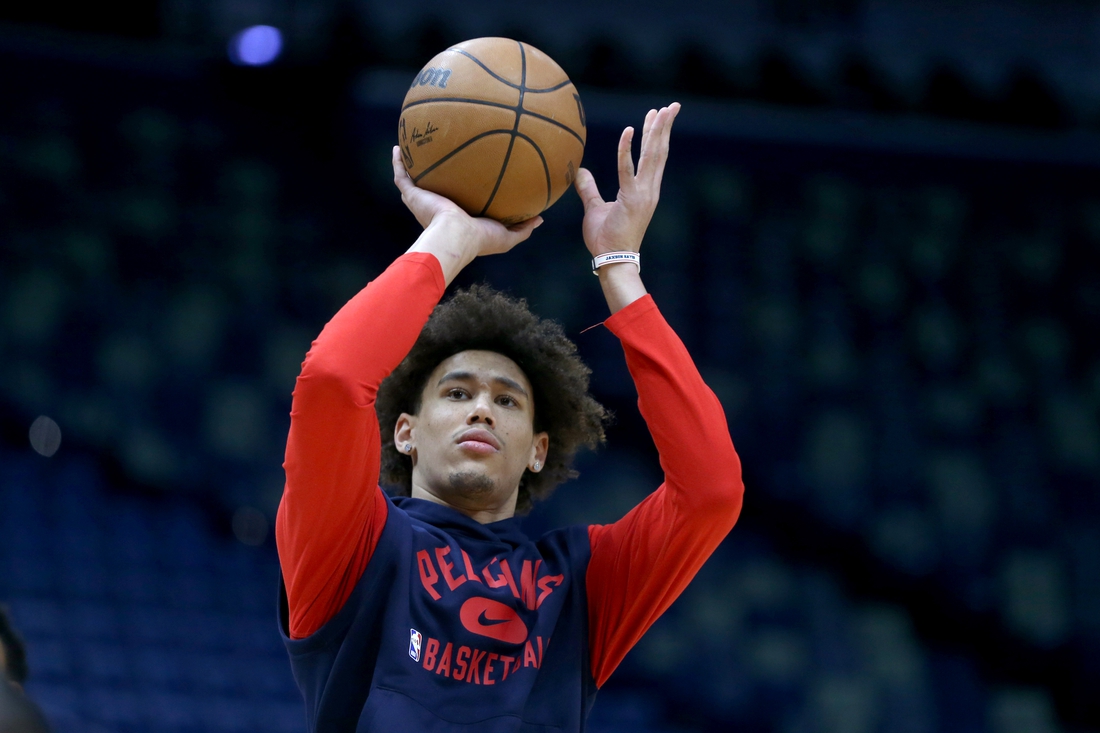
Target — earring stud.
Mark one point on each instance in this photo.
(408, 447)
(537, 465)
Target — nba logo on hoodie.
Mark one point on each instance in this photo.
(414, 644)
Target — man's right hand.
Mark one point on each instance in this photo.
(452, 235)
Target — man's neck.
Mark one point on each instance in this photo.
(478, 513)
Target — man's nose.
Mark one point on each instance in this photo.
(481, 410)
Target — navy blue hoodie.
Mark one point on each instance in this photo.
(455, 624)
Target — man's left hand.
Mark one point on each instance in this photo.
(619, 225)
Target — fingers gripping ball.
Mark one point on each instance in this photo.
(494, 125)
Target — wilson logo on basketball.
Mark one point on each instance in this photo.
(432, 77)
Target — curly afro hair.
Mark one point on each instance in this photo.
(482, 318)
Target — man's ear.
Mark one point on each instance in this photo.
(403, 433)
(539, 450)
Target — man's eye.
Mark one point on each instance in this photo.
(507, 401)
(456, 393)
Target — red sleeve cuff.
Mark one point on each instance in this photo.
(632, 317)
(428, 260)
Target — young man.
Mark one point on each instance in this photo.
(433, 611)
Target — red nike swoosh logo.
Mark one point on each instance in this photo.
(493, 619)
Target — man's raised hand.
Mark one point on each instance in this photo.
(474, 235)
(620, 224)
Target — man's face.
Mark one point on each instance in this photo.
(474, 434)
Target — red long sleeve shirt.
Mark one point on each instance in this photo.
(333, 511)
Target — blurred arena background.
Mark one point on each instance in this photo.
(879, 236)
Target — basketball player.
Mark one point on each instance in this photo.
(433, 611)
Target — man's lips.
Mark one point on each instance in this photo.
(479, 441)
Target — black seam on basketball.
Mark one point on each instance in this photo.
(500, 176)
(550, 89)
(545, 165)
(498, 105)
(501, 79)
(466, 100)
(544, 90)
(515, 128)
(554, 122)
(489, 71)
(461, 147)
(522, 91)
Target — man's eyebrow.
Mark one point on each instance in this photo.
(470, 376)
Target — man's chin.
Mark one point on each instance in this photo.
(470, 484)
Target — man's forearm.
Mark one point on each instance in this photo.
(622, 285)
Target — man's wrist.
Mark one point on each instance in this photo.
(621, 283)
(608, 258)
(455, 232)
(453, 242)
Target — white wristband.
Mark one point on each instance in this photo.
(608, 258)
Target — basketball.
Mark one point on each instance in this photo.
(496, 126)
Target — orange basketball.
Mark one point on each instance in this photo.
(494, 125)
